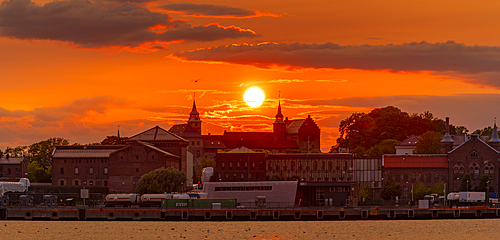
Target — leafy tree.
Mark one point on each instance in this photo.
(359, 151)
(366, 191)
(387, 146)
(41, 152)
(155, 187)
(465, 184)
(275, 177)
(114, 140)
(18, 151)
(419, 190)
(369, 129)
(438, 188)
(170, 180)
(295, 178)
(461, 130)
(429, 143)
(391, 190)
(483, 183)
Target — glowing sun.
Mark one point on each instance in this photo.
(254, 97)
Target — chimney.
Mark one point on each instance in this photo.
(447, 141)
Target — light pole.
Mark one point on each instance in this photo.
(467, 185)
(487, 194)
(412, 192)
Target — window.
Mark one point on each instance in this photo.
(238, 165)
(476, 173)
(137, 170)
(8, 171)
(76, 182)
(398, 177)
(91, 182)
(76, 172)
(105, 183)
(405, 177)
(429, 177)
(198, 142)
(91, 170)
(223, 164)
(436, 177)
(61, 182)
(137, 157)
(486, 170)
(105, 170)
(389, 177)
(61, 171)
(152, 156)
(413, 177)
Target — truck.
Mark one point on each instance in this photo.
(472, 197)
(21, 186)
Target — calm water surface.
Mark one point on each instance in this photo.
(389, 229)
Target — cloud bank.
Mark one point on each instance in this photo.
(208, 10)
(422, 56)
(92, 25)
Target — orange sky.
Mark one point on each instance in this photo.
(78, 69)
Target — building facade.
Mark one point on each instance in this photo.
(13, 168)
(240, 165)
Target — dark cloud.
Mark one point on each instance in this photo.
(192, 9)
(92, 25)
(423, 56)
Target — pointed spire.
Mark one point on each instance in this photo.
(494, 135)
(194, 111)
(118, 135)
(279, 115)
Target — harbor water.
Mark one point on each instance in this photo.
(367, 229)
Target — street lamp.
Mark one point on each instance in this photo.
(487, 193)
(467, 185)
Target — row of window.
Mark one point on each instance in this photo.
(242, 176)
(88, 160)
(223, 165)
(333, 177)
(308, 165)
(421, 177)
(458, 173)
(9, 171)
(250, 188)
(91, 171)
(77, 182)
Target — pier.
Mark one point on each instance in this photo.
(265, 214)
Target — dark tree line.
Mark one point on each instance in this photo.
(367, 130)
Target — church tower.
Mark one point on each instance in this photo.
(279, 126)
(494, 140)
(194, 118)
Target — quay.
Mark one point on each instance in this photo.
(255, 214)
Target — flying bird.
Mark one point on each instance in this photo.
(195, 80)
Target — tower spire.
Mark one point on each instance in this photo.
(194, 117)
(118, 135)
(494, 135)
(279, 115)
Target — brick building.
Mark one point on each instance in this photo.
(13, 168)
(119, 166)
(241, 164)
(405, 170)
(82, 164)
(311, 167)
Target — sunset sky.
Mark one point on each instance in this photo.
(79, 69)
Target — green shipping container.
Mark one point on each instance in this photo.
(177, 203)
(164, 203)
(225, 203)
(199, 203)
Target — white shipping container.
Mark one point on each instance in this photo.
(472, 196)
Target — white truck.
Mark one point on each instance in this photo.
(21, 186)
(472, 197)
